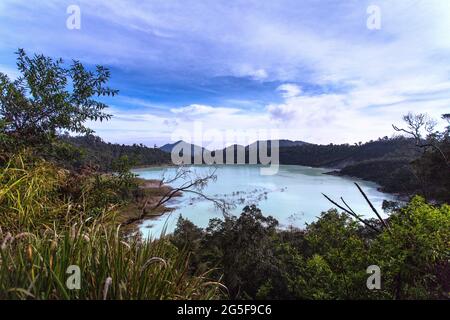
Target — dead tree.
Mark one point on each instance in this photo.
(418, 125)
(347, 209)
(188, 182)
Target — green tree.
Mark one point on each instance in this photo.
(414, 255)
(242, 249)
(48, 98)
(337, 268)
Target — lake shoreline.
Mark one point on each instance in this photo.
(399, 195)
(332, 172)
(294, 196)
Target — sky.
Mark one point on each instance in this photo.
(302, 70)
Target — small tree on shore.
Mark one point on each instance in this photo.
(432, 168)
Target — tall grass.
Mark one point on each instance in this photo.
(35, 267)
(29, 195)
(43, 231)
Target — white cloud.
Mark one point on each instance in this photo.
(147, 128)
(249, 71)
(361, 114)
(373, 76)
(289, 90)
(202, 110)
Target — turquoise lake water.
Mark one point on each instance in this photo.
(293, 196)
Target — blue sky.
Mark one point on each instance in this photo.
(312, 70)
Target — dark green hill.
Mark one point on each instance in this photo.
(342, 155)
(94, 151)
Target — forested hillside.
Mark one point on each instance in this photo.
(390, 162)
(93, 150)
(387, 162)
(342, 155)
(335, 156)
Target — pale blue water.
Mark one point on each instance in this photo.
(293, 196)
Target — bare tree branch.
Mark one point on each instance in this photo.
(345, 203)
(372, 207)
(193, 184)
(416, 123)
(351, 213)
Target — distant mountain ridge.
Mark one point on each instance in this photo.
(282, 143)
(195, 149)
(385, 161)
(335, 156)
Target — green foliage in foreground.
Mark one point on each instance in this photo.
(327, 260)
(51, 219)
(37, 195)
(34, 266)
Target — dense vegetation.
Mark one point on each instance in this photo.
(387, 161)
(342, 155)
(327, 260)
(60, 209)
(93, 151)
(417, 163)
(54, 217)
(45, 229)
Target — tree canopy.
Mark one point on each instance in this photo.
(49, 97)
